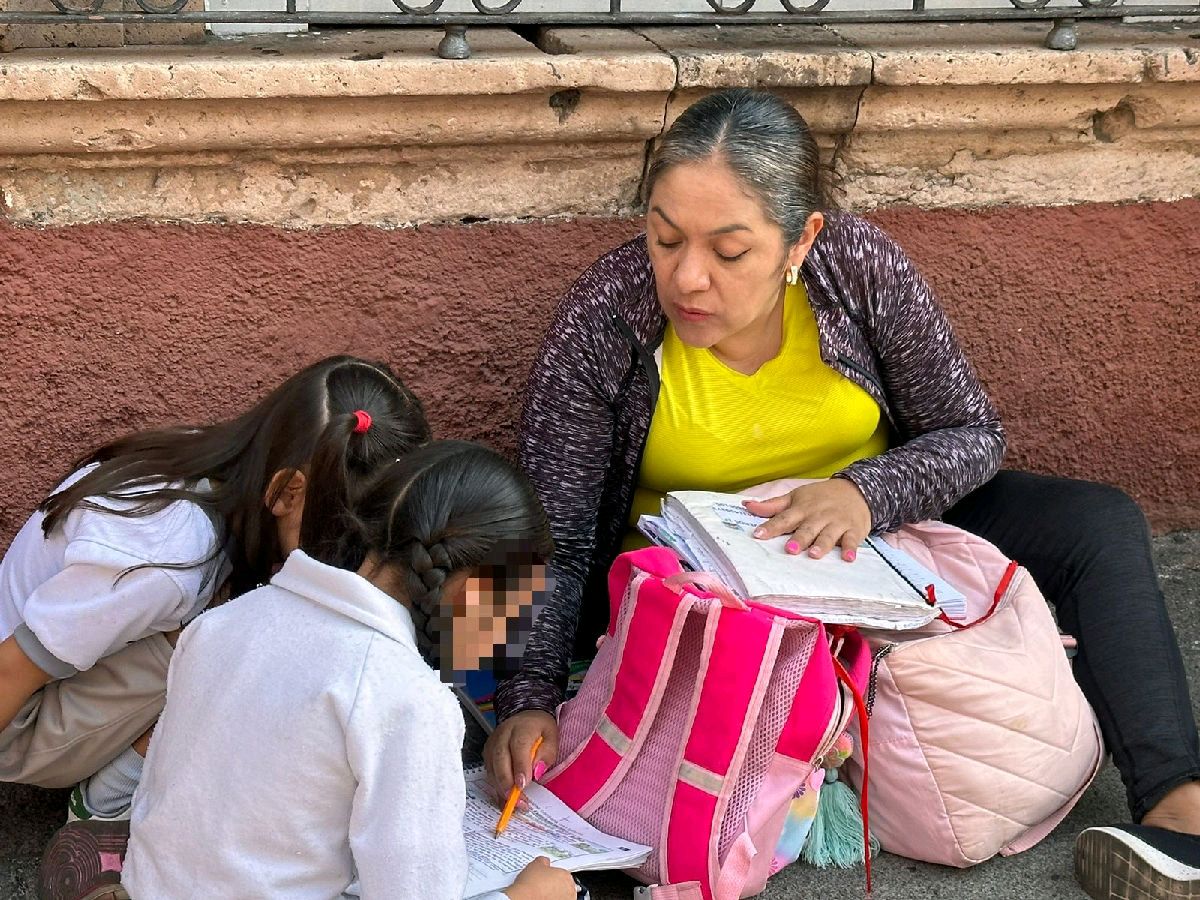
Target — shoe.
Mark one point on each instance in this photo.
(77, 810)
(1138, 862)
(83, 862)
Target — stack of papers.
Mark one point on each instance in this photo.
(548, 828)
(883, 588)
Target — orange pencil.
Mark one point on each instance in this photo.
(515, 794)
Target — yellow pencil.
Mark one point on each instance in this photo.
(515, 794)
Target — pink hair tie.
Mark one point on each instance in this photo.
(362, 421)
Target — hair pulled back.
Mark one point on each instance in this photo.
(447, 507)
(766, 143)
(311, 414)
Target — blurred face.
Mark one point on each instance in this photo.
(485, 616)
(719, 262)
(493, 602)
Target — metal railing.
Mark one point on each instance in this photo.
(1061, 35)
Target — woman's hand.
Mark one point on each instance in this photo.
(819, 516)
(508, 749)
(541, 881)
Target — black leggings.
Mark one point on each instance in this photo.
(1088, 548)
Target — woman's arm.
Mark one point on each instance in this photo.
(953, 441)
(19, 679)
(566, 440)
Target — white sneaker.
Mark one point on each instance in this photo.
(77, 810)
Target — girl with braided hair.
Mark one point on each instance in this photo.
(311, 744)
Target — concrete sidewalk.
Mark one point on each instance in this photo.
(29, 816)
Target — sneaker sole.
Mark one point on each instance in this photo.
(1111, 864)
(74, 865)
(107, 893)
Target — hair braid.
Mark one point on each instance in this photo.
(427, 569)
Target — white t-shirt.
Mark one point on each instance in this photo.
(68, 589)
(306, 751)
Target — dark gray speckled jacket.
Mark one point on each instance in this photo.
(592, 391)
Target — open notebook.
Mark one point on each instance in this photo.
(883, 588)
(548, 828)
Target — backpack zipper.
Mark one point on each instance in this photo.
(877, 658)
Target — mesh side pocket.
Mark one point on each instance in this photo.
(795, 651)
(580, 715)
(638, 807)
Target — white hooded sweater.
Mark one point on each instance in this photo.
(306, 751)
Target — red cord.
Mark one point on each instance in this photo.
(861, 709)
(1000, 591)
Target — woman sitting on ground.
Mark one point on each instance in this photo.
(748, 336)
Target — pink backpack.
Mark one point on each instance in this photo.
(700, 720)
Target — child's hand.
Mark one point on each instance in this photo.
(541, 881)
(507, 752)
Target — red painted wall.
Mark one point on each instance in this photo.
(1081, 320)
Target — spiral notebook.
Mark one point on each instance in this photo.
(883, 588)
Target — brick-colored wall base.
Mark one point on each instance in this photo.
(1081, 320)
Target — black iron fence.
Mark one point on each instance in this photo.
(1060, 19)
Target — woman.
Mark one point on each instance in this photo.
(747, 337)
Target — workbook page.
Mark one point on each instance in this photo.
(548, 828)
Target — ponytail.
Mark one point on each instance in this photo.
(329, 486)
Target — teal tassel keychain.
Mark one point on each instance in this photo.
(836, 837)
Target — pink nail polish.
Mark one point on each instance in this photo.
(850, 555)
(521, 782)
(758, 532)
(815, 552)
(539, 770)
(792, 547)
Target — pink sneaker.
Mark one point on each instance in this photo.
(83, 862)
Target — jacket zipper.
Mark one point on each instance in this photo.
(645, 357)
(862, 372)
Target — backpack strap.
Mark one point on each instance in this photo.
(736, 664)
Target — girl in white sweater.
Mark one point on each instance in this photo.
(311, 744)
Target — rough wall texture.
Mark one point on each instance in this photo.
(1079, 318)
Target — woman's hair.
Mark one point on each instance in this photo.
(313, 410)
(450, 506)
(764, 141)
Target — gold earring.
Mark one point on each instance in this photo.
(793, 275)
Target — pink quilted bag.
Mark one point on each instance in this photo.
(981, 741)
(699, 721)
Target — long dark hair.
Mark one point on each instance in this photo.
(450, 506)
(314, 408)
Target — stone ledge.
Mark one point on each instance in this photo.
(370, 127)
(398, 62)
(1012, 54)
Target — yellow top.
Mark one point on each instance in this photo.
(715, 429)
